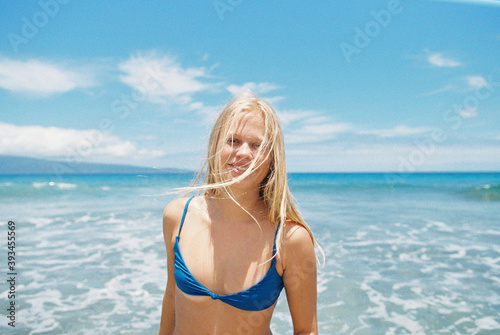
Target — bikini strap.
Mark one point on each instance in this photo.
(184, 215)
(275, 235)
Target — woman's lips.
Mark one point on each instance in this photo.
(238, 168)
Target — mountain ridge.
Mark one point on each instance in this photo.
(19, 165)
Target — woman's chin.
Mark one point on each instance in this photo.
(237, 181)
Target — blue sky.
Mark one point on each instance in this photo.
(358, 85)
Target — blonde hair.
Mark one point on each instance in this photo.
(274, 188)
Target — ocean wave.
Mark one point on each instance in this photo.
(407, 186)
(486, 192)
(36, 190)
(61, 186)
(421, 257)
(79, 280)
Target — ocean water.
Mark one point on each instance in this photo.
(405, 253)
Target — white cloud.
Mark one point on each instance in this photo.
(316, 132)
(469, 113)
(258, 88)
(58, 142)
(437, 59)
(393, 157)
(207, 112)
(476, 2)
(459, 85)
(162, 79)
(308, 126)
(326, 129)
(398, 131)
(444, 89)
(302, 126)
(477, 81)
(39, 78)
(288, 116)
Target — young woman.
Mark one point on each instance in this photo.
(232, 249)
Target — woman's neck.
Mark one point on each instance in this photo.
(239, 204)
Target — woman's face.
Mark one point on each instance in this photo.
(245, 138)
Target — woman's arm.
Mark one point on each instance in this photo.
(171, 221)
(299, 277)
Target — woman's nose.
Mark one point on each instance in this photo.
(244, 150)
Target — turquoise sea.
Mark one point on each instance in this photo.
(405, 253)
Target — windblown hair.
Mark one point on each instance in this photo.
(274, 188)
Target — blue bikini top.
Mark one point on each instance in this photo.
(258, 297)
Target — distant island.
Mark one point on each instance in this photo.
(16, 165)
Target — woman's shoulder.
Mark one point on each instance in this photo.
(298, 245)
(294, 232)
(175, 206)
(172, 214)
